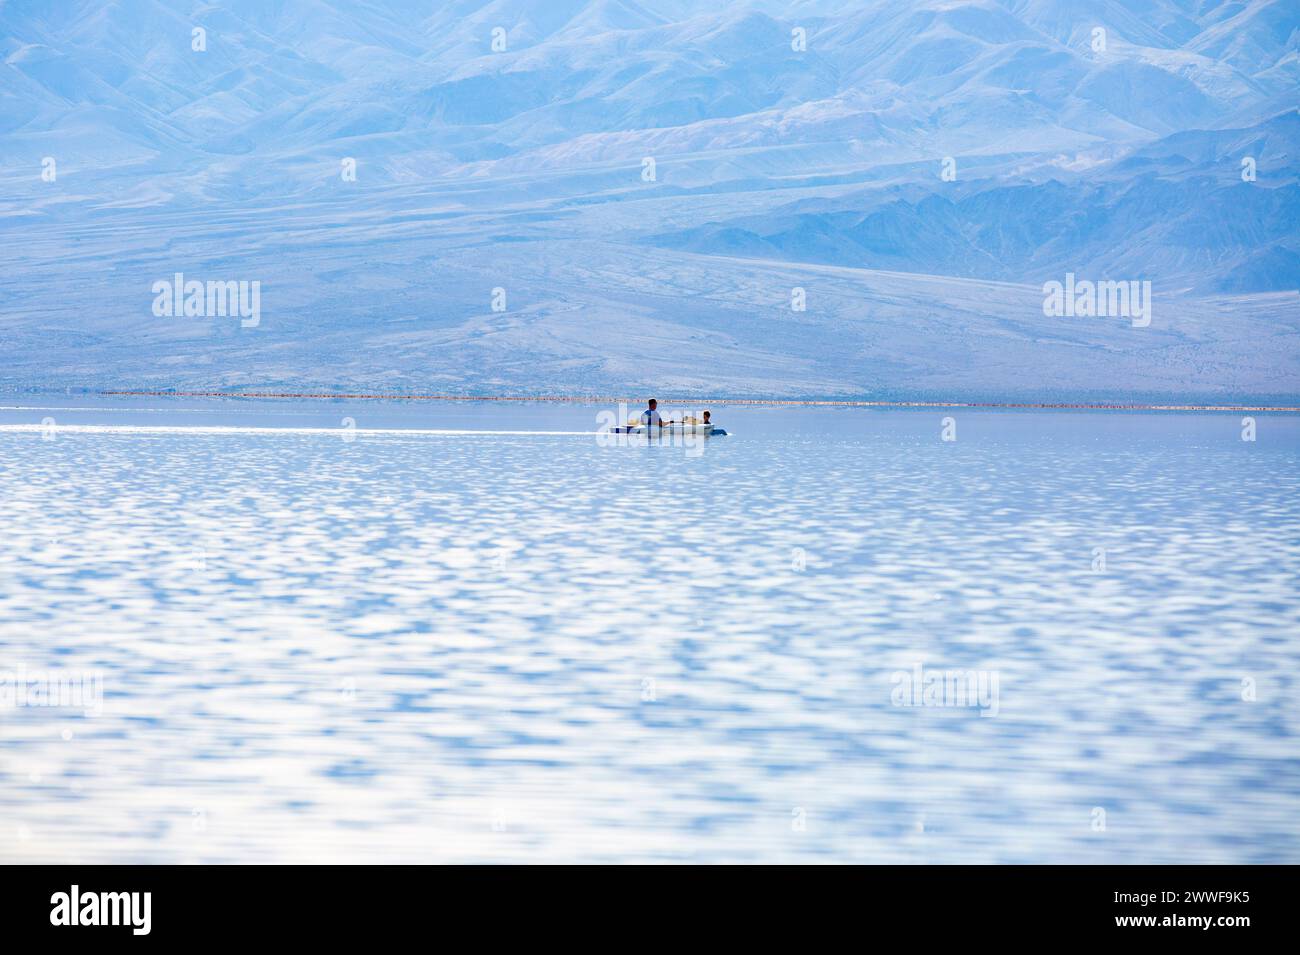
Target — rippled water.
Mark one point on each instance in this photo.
(321, 646)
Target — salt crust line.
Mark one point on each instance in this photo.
(233, 429)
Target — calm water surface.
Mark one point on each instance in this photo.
(340, 645)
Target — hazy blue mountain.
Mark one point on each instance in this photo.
(1114, 154)
(1175, 210)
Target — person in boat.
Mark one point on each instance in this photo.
(691, 419)
(650, 417)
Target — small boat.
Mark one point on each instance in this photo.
(703, 430)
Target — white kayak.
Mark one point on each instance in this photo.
(704, 430)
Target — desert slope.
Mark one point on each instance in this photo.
(524, 169)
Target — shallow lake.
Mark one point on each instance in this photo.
(829, 636)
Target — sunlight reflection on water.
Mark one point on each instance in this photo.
(427, 648)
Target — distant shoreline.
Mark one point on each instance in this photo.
(599, 399)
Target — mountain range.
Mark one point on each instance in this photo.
(653, 176)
